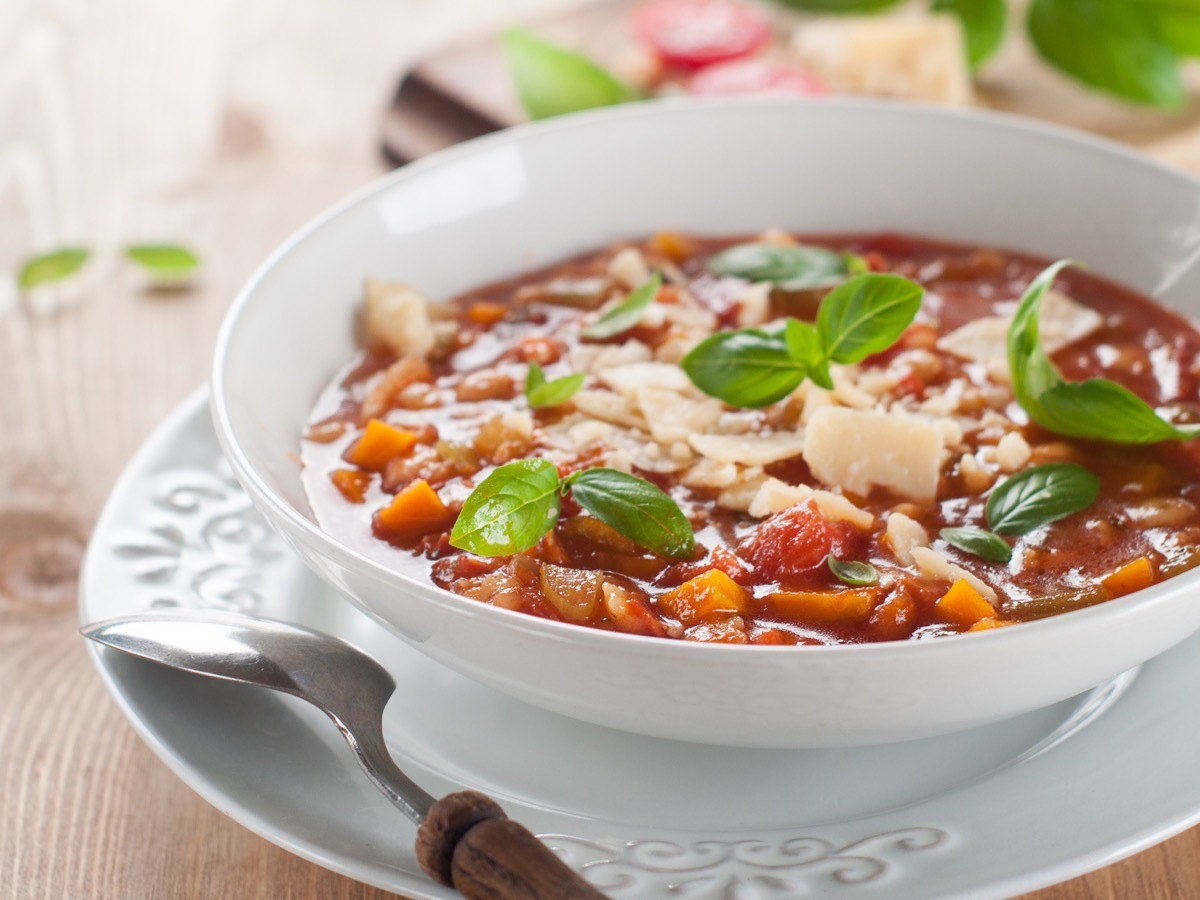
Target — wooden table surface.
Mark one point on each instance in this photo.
(224, 124)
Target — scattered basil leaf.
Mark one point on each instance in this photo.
(552, 80)
(804, 347)
(866, 314)
(1040, 495)
(539, 392)
(635, 508)
(1178, 24)
(984, 544)
(1096, 408)
(625, 314)
(851, 572)
(748, 368)
(50, 267)
(792, 267)
(1110, 45)
(168, 261)
(983, 23)
(845, 7)
(510, 510)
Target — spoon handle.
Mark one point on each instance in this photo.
(468, 843)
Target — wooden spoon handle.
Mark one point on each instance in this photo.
(468, 843)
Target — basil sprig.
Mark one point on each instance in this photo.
(852, 572)
(518, 503)
(758, 366)
(553, 80)
(1097, 408)
(539, 392)
(793, 267)
(1025, 502)
(625, 314)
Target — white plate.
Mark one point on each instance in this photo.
(985, 813)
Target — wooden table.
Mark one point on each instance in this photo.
(224, 124)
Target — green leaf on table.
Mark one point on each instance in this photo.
(984, 544)
(748, 368)
(540, 393)
(552, 80)
(1097, 408)
(852, 572)
(866, 314)
(983, 23)
(635, 508)
(166, 261)
(1178, 24)
(843, 7)
(50, 267)
(1111, 45)
(625, 314)
(1040, 495)
(510, 510)
(792, 267)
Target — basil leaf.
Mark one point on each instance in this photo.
(53, 266)
(856, 574)
(625, 314)
(840, 6)
(1040, 495)
(866, 314)
(552, 80)
(635, 508)
(983, 544)
(539, 392)
(164, 260)
(1178, 24)
(510, 510)
(1110, 45)
(1096, 408)
(983, 24)
(804, 346)
(748, 368)
(794, 268)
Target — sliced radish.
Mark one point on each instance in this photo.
(697, 33)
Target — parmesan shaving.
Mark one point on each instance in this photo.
(938, 565)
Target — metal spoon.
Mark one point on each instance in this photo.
(464, 840)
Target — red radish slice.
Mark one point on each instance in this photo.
(697, 33)
(754, 76)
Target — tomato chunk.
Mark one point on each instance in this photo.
(696, 33)
(792, 542)
(754, 76)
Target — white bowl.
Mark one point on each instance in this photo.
(532, 195)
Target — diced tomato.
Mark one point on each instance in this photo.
(692, 34)
(720, 558)
(754, 76)
(794, 541)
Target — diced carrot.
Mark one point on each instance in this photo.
(486, 313)
(963, 605)
(1130, 577)
(988, 623)
(825, 606)
(352, 483)
(673, 245)
(380, 444)
(712, 594)
(415, 511)
(895, 618)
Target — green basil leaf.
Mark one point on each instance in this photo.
(169, 261)
(804, 346)
(866, 314)
(552, 80)
(983, 544)
(625, 314)
(1097, 408)
(794, 268)
(539, 392)
(1040, 495)
(856, 574)
(1177, 23)
(1110, 45)
(635, 508)
(510, 510)
(50, 267)
(983, 24)
(748, 368)
(844, 7)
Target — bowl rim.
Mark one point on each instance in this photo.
(1118, 609)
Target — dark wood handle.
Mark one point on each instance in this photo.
(468, 843)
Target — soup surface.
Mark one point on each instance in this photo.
(820, 517)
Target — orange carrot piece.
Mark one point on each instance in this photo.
(351, 483)
(963, 605)
(380, 444)
(673, 245)
(825, 606)
(989, 623)
(709, 595)
(1130, 577)
(486, 313)
(415, 511)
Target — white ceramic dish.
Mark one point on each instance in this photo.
(533, 195)
(986, 813)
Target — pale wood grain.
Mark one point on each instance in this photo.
(225, 124)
